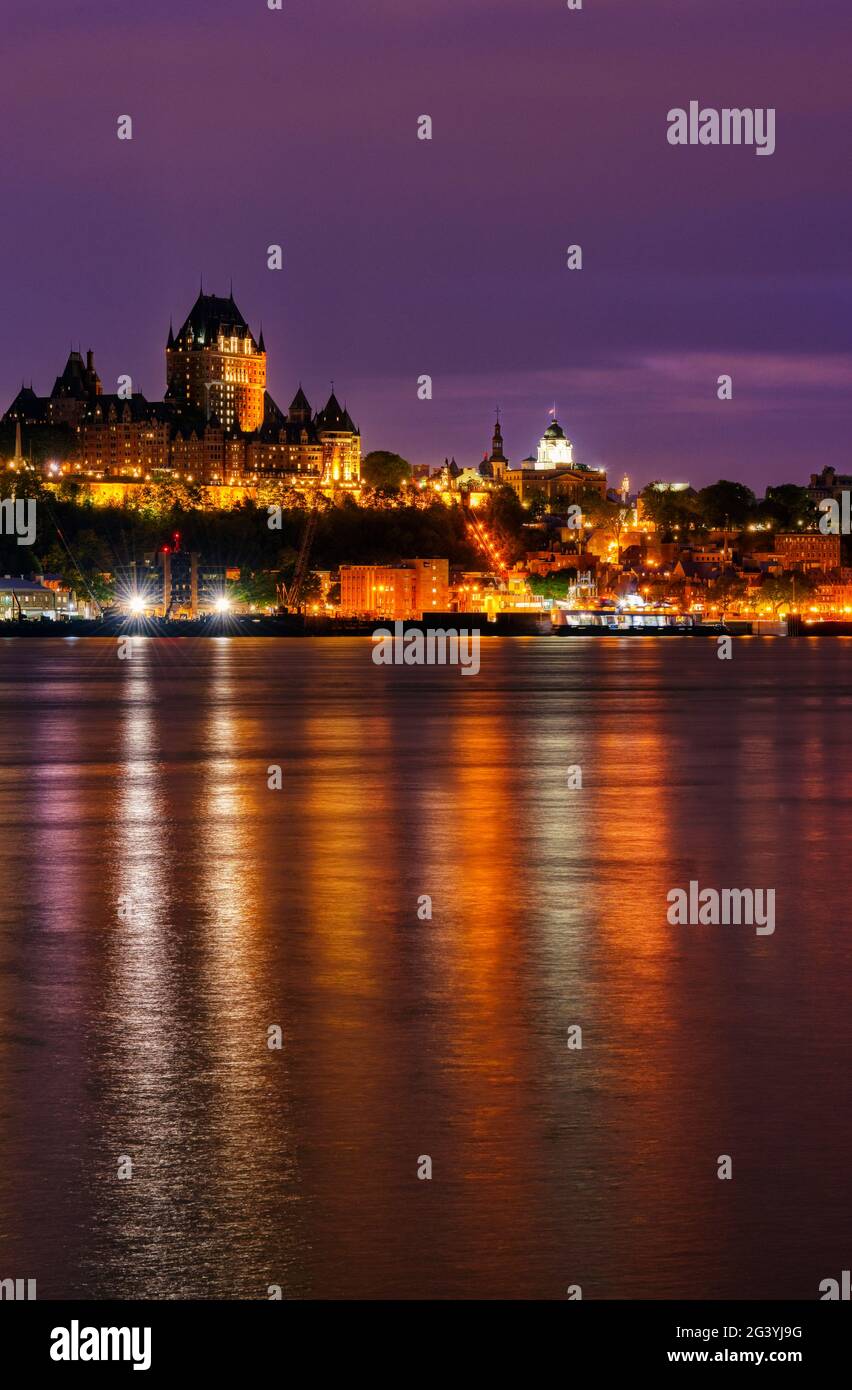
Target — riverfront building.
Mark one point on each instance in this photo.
(407, 590)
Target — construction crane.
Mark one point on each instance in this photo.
(291, 594)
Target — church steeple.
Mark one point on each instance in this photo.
(494, 465)
(497, 455)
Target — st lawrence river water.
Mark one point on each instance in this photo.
(169, 902)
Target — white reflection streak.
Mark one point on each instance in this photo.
(142, 994)
(227, 852)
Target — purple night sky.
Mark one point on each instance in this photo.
(404, 257)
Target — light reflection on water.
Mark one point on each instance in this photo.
(161, 907)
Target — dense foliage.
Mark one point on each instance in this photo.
(84, 543)
(87, 544)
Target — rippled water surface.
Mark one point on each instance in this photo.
(161, 908)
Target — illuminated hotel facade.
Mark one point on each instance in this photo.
(217, 424)
(215, 368)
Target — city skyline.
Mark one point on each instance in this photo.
(448, 257)
(426, 614)
(82, 361)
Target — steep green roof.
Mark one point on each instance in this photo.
(210, 316)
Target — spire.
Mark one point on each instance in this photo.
(231, 294)
(300, 408)
(497, 455)
(171, 340)
(261, 346)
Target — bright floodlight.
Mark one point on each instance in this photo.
(223, 605)
(137, 604)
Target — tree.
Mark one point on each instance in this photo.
(785, 590)
(537, 503)
(726, 505)
(165, 496)
(27, 484)
(788, 507)
(275, 492)
(256, 589)
(312, 588)
(504, 512)
(76, 491)
(504, 517)
(553, 585)
(612, 518)
(727, 591)
(669, 510)
(381, 469)
(87, 569)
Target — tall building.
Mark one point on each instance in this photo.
(215, 368)
(171, 583)
(189, 587)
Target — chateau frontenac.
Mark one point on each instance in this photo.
(217, 423)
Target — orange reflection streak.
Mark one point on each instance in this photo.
(44, 974)
(247, 1093)
(487, 986)
(337, 838)
(646, 1046)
